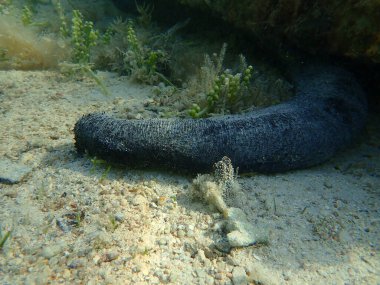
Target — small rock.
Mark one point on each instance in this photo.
(50, 251)
(223, 246)
(11, 194)
(12, 172)
(119, 217)
(219, 276)
(338, 204)
(99, 238)
(181, 227)
(109, 256)
(190, 233)
(286, 275)
(327, 184)
(43, 274)
(136, 268)
(162, 241)
(209, 280)
(139, 200)
(181, 233)
(344, 236)
(190, 227)
(200, 273)
(239, 276)
(96, 259)
(66, 274)
(174, 277)
(76, 263)
(241, 231)
(63, 225)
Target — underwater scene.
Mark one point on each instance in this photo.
(189, 142)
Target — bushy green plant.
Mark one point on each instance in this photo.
(83, 37)
(26, 16)
(141, 62)
(28, 12)
(64, 28)
(227, 91)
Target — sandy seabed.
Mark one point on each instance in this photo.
(71, 222)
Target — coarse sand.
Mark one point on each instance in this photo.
(77, 221)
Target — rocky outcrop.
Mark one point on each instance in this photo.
(346, 28)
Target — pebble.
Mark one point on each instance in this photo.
(181, 233)
(338, 204)
(239, 276)
(76, 263)
(50, 251)
(100, 238)
(328, 185)
(241, 231)
(200, 273)
(344, 236)
(119, 217)
(123, 203)
(96, 259)
(139, 200)
(190, 233)
(12, 172)
(66, 274)
(112, 255)
(162, 241)
(286, 275)
(174, 277)
(11, 194)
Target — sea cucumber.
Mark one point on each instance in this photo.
(328, 111)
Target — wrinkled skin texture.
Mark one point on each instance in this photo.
(327, 113)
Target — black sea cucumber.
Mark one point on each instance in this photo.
(328, 111)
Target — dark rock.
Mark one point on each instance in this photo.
(345, 28)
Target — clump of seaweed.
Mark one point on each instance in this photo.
(26, 15)
(83, 36)
(223, 91)
(140, 62)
